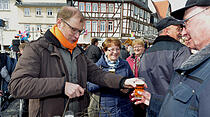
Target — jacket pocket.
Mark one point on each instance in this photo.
(186, 99)
(178, 102)
(182, 92)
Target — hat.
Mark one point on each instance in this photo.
(163, 23)
(179, 14)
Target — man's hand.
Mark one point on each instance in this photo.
(73, 90)
(124, 90)
(131, 83)
(145, 99)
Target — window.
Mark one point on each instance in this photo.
(88, 7)
(145, 28)
(131, 25)
(134, 26)
(139, 28)
(142, 27)
(88, 26)
(94, 26)
(4, 4)
(111, 7)
(110, 26)
(38, 11)
(27, 27)
(103, 7)
(49, 12)
(81, 6)
(148, 17)
(102, 27)
(145, 15)
(155, 20)
(132, 9)
(141, 13)
(135, 10)
(150, 30)
(95, 7)
(26, 11)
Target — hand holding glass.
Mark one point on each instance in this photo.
(138, 89)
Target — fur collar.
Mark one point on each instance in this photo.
(196, 58)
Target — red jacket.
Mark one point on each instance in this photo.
(134, 64)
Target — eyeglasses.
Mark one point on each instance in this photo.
(113, 49)
(74, 30)
(186, 20)
(137, 47)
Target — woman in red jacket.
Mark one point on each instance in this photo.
(134, 59)
(134, 62)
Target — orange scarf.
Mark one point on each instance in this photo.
(58, 34)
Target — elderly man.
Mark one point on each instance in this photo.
(160, 61)
(53, 69)
(188, 95)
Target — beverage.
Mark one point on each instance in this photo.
(112, 70)
(139, 88)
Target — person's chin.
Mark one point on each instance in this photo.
(75, 39)
(114, 59)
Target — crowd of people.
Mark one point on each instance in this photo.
(57, 77)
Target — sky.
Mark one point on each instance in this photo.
(175, 4)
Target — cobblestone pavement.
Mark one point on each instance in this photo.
(12, 110)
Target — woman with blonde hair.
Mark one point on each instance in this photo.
(134, 59)
(134, 62)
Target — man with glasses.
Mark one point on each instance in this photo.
(158, 63)
(188, 95)
(53, 71)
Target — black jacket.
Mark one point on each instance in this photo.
(94, 53)
(159, 62)
(124, 54)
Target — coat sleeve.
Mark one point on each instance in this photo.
(155, 105)
(92, 87)
(26, 81)
(102, 78)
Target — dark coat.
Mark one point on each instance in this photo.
(93, 53)
(41, 73)
(112, 101)
(124, 54)
(158, 63)
(188, 94)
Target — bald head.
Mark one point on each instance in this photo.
(67, 12)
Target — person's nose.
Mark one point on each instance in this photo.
(115, 51)
(184, 32)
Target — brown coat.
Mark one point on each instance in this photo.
(41, 73)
